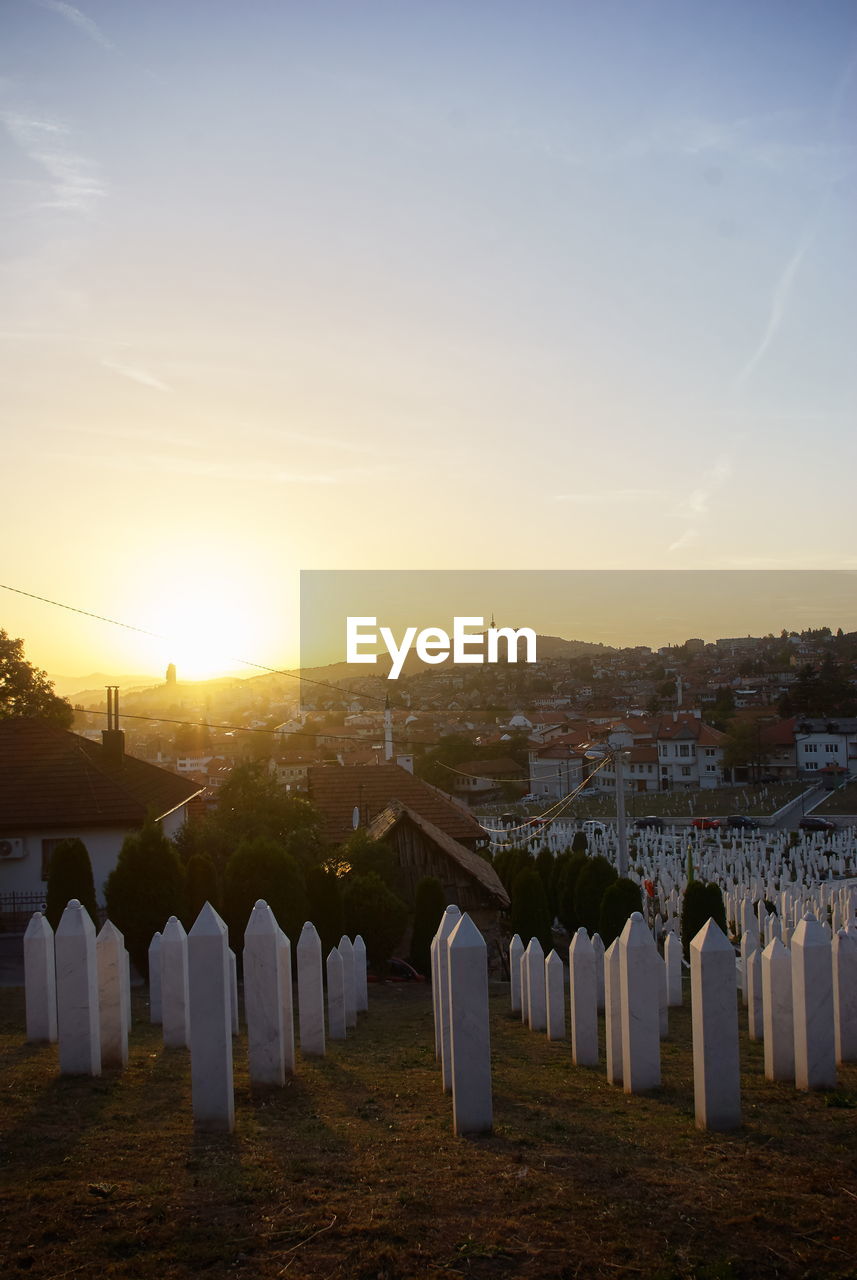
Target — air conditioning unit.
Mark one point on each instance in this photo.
(11, 847)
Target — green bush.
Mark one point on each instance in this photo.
(200, 887)
(144, 889)
(579, 842)
(374, 911)
(70, 876)
(621, 899)
(544, 865)
(530, 913)
(566, 890)
(324, 906)
(363, 856)
(592, 883)
(261, 868)
(508, 863)
(429, 906)
(702, 902)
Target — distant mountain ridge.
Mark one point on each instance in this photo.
(67, 686)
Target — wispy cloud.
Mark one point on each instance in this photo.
(696, 505)
(75, 181)
(779, 305)
(142, 376)
(607, 496)
(77, 19)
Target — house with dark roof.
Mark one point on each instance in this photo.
(55, 784)
(469, 881)
(338, 790)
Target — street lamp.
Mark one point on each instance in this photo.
(616, 755)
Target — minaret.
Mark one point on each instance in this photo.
(679, 693)
(388, 730)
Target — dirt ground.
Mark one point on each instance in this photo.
(352, 1169)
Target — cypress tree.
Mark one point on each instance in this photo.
(530, 912)
(592, 883)
(621, 899)
(261, 868)
(325, 906)
(429, 905)
(70, 876)
(144, 889)
(200, 887)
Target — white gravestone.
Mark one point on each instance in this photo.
(779, 1033)
(613, 1012)
(525, 989)
(174, 985)
(210, 991)
(598, 948)
(845, 995)
(155, 1015)
(812, 1002)
(673, 961)
(361, 983)
(555, 990)
(516, 950)
(435, 996)
(472, 1108)
(233, 992)
(755, 1022)
(335, 995)
(284, 956)
(584, 1001)
(714, 993)
(112, 1007)
(263, 997)
(346, 950)
(537, 1002)
(77, 993)
(640, 980)
(310, 992)
(449, 921)
(40, 980)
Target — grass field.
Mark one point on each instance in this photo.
(715, 802)
(842, 800)
(352, 1170)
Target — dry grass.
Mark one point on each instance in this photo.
(352, 1170)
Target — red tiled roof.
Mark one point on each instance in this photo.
(52, 778)
(492, 768)
(336, 790)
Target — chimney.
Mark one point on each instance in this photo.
(113, 738)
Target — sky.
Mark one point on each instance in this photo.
(399, 285)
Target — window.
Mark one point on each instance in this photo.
(685, 770)
(711, 768)
(831, 746)
(684, 749)
(810, 746)
(812, 764)
(709, 751)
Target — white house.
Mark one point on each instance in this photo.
(55, 785)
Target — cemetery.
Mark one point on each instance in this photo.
(667, 1105)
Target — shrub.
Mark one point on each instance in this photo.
(621, 899)
(200, 887)
(429, 906)
(531, 916)
(579, 842)
(70, 876)
(144, 889)
(324, 906)
(592, 883)
(364, 856)
(261, 868)
(702, 902)
(508, 863)
(566, 890)
(374, 911)
(544, 866)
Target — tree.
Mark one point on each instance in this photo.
(508, 862)
(566, 889)
(200, 887)
(70, 876)
(592, 883)
(621, 899)
(261, 868)
(251, 804)
(429, 906)
(579, 842)
(377, 914)
(324, 905)
(144, 889)
(26, 691)
(702, 902)
(530, 913)
(360, 855)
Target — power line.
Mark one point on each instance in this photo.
(157, 635)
